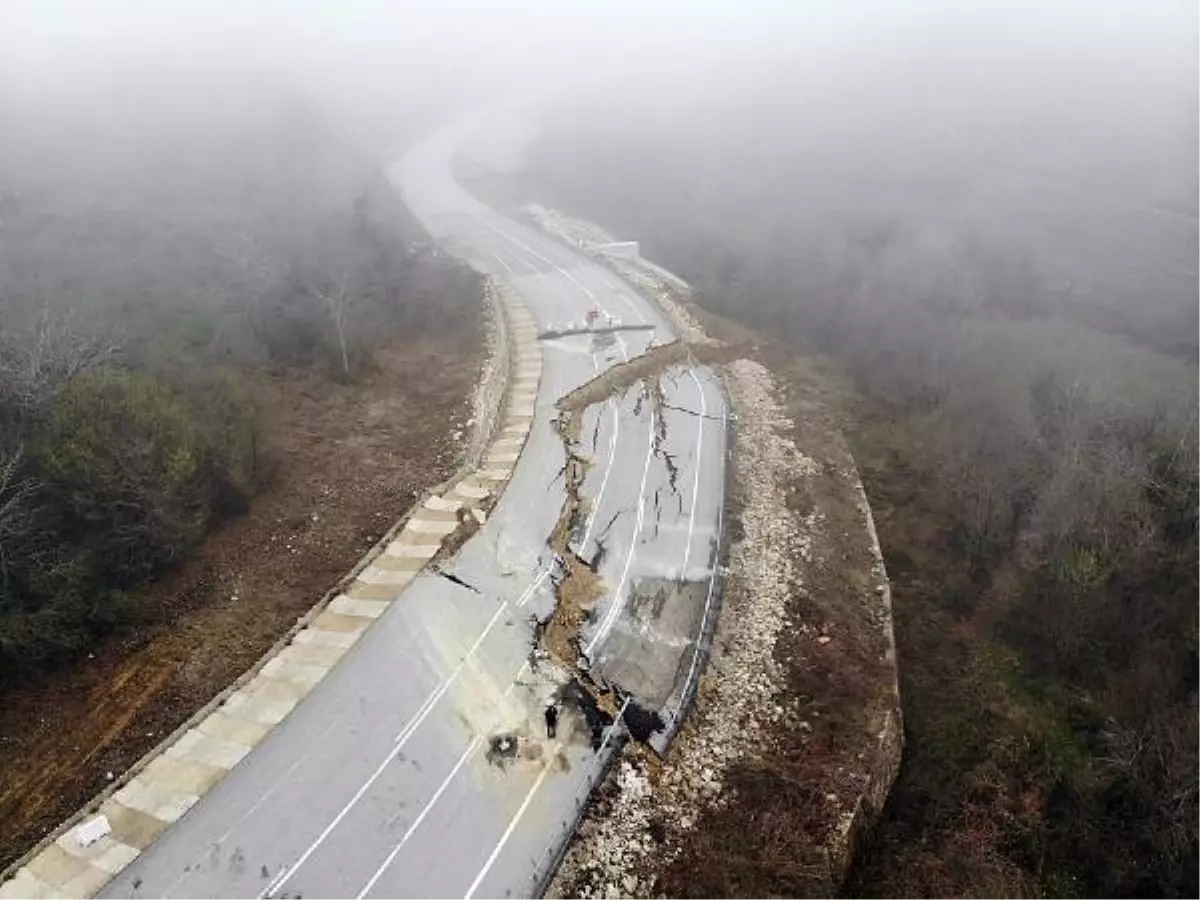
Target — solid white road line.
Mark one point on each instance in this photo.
(535, 270)
(512, 825)
(616, 415)
(505, 234)
(528, 592)
(712, 582)
(466, 755)
(612, 283)
(401, 739)
(609, 619)
(257, 805)
(696, 480)
(612, 453)
(566, 274)
(383, 867)
(616, 605)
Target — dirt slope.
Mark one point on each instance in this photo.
(351, 459)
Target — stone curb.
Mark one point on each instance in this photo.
(83, 854)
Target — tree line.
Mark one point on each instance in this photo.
(145, 285)
(1028, 437)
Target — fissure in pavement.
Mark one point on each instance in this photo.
(579, 585)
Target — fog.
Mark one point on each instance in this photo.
(978, 220)
(1064, 134)
(1106, 90)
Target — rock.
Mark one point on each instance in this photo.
(824, 639)
(92, 830)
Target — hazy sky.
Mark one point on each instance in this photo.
(360, 58)
(493, 41)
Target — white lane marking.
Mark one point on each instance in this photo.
(303, 758)
(512, 825)
(566, 274)
(466, 755)
(612, 446)
(620, 289)
(712, 582)
(517, 256)
(616, 605)
(401, 739)
(535, 270)
(528, 592)
(687, 554)
(516, 819)
(616, 421)
(604, 277)
(612, 453)
(609, 618)
(507, 267)
(503, 233)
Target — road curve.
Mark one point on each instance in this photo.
(420, 766)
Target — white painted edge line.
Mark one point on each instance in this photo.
(617, 604)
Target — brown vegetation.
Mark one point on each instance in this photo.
(1033, 468)
(221, 377)
(349, 459)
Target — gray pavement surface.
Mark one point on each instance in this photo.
(421, 766)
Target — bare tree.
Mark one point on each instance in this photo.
(35, 365)
(14, 508)
(337, 301)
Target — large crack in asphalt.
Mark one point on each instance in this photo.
(578, 585)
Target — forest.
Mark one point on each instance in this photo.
(1019, 318)
(167, 245)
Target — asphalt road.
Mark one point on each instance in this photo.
(420, 767)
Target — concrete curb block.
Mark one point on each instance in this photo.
(160, 787)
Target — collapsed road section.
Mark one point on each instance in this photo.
(638, 585)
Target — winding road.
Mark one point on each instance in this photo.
(421, 767)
